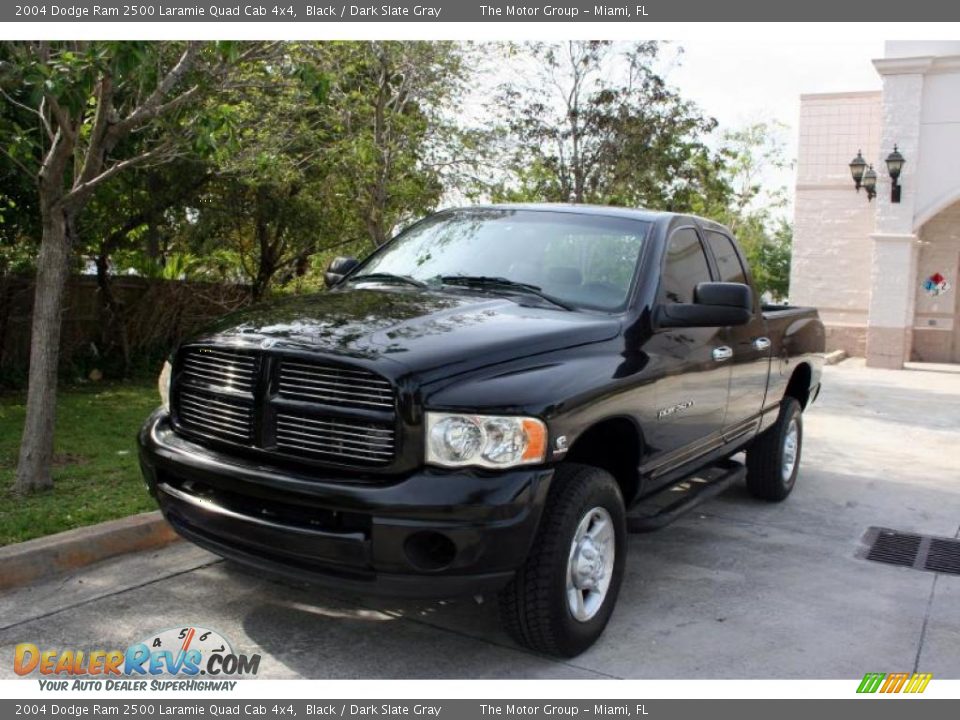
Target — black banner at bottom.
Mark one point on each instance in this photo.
(869, 708)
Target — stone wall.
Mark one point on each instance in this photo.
(832, 223)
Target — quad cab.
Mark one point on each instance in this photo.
(490, 402)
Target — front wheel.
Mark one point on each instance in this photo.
(561, 599)
(773, 459)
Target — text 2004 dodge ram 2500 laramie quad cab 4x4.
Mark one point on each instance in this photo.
(489, 402)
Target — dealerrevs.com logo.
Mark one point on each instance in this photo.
(185, 658)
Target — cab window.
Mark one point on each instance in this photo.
(686, 267)
(728, 260)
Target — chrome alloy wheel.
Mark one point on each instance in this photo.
(590, 567)
(791, 442)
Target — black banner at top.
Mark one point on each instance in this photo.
(315, 11)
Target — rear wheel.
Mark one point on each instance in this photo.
(561, 599)
(773, 459)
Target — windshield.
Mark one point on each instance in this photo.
(583, 260)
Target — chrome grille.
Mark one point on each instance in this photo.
(333, 385)
(221, 369)
(339, 439)
(219, 416)
(224, 394)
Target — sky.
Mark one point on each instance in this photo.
(740, 83)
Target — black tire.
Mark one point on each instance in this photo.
(534, 607)
(767, 455)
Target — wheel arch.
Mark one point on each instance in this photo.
(798, 387)
(614, 444)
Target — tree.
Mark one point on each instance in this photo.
(127, 225)
(594, 122)
(263, 206)
(393, 139)
(752, 155)
(95, 110)
(310, 176)
(19, 215)
(771, 261)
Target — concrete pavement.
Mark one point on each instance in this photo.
(737, 589)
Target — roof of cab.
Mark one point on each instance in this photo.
(584, 209)
(574, 208)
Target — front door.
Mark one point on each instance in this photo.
(691, 396)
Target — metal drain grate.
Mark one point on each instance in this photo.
(944, 556)
(894, 548)
(920, 552)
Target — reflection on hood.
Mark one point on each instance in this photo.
(419, 328)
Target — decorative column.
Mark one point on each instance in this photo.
(895, 244)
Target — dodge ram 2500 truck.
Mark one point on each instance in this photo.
(489, 402)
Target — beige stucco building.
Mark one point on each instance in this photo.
(884, 275)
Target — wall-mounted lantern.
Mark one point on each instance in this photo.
(857, 166)
(866, 177)
(869, 182)
(894, 164)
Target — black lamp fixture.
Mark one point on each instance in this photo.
(869, 182)
(857, 166)
(866, 177)
(894, 165)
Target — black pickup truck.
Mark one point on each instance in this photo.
(488, 403)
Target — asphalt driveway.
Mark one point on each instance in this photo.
(737, 589)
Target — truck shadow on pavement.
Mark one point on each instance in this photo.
(317, 633)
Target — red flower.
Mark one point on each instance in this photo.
(937, 278)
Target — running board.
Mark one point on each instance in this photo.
(670, 503)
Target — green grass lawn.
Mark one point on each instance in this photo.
(96, 474)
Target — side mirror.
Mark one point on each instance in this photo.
(338, 268)
(717, 304)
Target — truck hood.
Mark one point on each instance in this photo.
(418, 329)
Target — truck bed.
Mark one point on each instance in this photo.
(779, 311)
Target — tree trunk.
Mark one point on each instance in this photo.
(53, 268)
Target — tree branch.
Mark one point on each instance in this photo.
(16, 162)
(53, 162)
(153, 105)
(62, 118)
(99, 145)
(112, 241)
(80, 191)
(42, 112)
(32, 111)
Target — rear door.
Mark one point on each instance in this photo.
(691, 395)
(751, 347)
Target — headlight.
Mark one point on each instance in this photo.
(163, 385)
(489, 441)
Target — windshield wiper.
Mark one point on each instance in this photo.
(388, 277)
(486, 281)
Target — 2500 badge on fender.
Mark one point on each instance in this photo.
(489, 402)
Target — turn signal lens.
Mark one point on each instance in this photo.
(536, 433)
(488, 441)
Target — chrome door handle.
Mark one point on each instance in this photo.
(761, 343)
(722, 353)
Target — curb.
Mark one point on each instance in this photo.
(832, 358)
(27, 562)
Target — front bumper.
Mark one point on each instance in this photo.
(434, 533)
